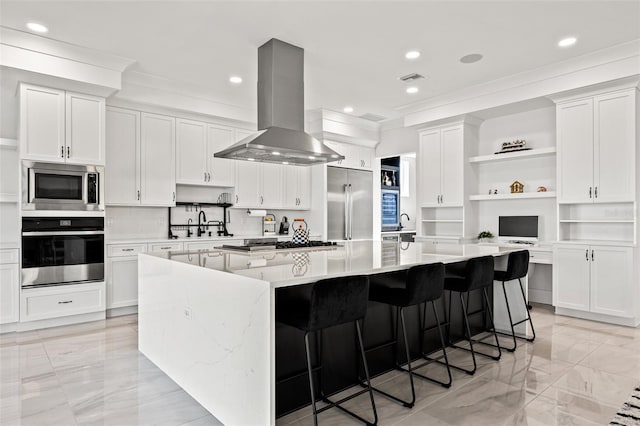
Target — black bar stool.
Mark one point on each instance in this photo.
(417, 285)
(331, 302)
(517, 268)
(463, 277)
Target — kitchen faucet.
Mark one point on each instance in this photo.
(189, 231)
(202, 219)
(408, 218)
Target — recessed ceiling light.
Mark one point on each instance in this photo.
(412, 89)
(348, 109)
(412, 54)
(235, 79)
(251, 159)
(566, 42)
(38, 28)
(471, 58)
(275, 153)
(311, 157)
(285, 162)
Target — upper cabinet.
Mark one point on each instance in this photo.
(197, 142)
(62, 127)
(356, 156)
(441, 164)
(140, 166)
(297, 188)
(259, 185)
(596, 148)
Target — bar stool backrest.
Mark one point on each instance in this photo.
(517, 265)
(425, 283)
(337, 301)
(479, 272)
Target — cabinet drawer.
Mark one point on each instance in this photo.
(125, 249)
(536, 256)
(166, 247)
(9, 256)
(210, 245)
(62, 301)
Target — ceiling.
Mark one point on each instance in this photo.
(354, 51)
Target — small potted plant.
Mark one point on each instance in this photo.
(485, 237)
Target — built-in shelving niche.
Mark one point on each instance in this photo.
(612, 222)
(442, 222)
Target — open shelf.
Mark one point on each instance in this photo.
(8, 143)
(443, 220)
(596, 220)
(512, 155)
(520, 196)
(443, 237)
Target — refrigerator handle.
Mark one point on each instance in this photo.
(350, 212)
(346, 212)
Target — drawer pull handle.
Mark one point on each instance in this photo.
(128, 249)
(165, 248)
(63, 302)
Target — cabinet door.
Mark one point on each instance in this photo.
(571, 277)
(290, 199)
(42, 124)
(85, 129)
(122, 170)
(612, 286)
(122, 282)
(304, 188)
(575, 151)
(191, 152)
(430, 168)
(367, 157)
(614, 147)
(157, 166)
(272, 185)
(9, 291)
(222, 170)
(247, 184)
(342, 149)
(452, 178)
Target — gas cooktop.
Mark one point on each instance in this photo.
(274, 244)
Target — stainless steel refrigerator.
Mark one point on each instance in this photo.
(349, 204)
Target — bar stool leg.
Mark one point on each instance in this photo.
(469, 339)
(513, 331)
(366, 372)
(406, 349)
(493, 326)
(533, 331)
(444, 349)
(310, 371)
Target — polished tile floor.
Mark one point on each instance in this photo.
(576, 373)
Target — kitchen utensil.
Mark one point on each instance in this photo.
(300, 232)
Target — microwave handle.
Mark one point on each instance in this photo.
(54, 233)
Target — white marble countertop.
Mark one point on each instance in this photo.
(196, 239)
(282, 268)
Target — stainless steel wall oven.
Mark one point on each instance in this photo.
(57, 251)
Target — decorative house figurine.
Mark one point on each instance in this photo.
(542, 189)
(517, 187)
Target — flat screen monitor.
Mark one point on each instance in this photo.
(518, 228)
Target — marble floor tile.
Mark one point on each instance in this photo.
(577, 372)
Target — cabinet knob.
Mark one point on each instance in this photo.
(586, 254)
(596, 192)
(68, 152)
(589, 192)
(62, 152)
(205, 176)
(138, 194)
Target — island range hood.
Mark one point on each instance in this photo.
(281, 137)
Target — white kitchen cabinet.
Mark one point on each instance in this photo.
(594, 278)
(85, 139)
(122, 171)
(191, 152)
(441, 162)
(140, 168)
(259, 185)
(9, 286)
(297, 188)
(248, 185)
(596, 148)
(221, 170)
(60, 301)
(356, 157)
(157, 155)
(122, 281)
(42, 123)
(61, 127)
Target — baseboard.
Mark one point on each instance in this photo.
(8, 328)
(117, 312)
(629, 322)
(57, 322)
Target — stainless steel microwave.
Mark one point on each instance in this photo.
(50, 186)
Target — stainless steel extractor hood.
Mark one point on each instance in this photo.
(281, 137)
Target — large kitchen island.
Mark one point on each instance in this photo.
(207, 319)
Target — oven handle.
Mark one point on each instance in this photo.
(52, 233)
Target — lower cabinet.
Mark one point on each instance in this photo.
(9, 286)
(594, 278)
(122, 282)
(61, 301)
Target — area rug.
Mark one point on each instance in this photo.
(629, 414)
